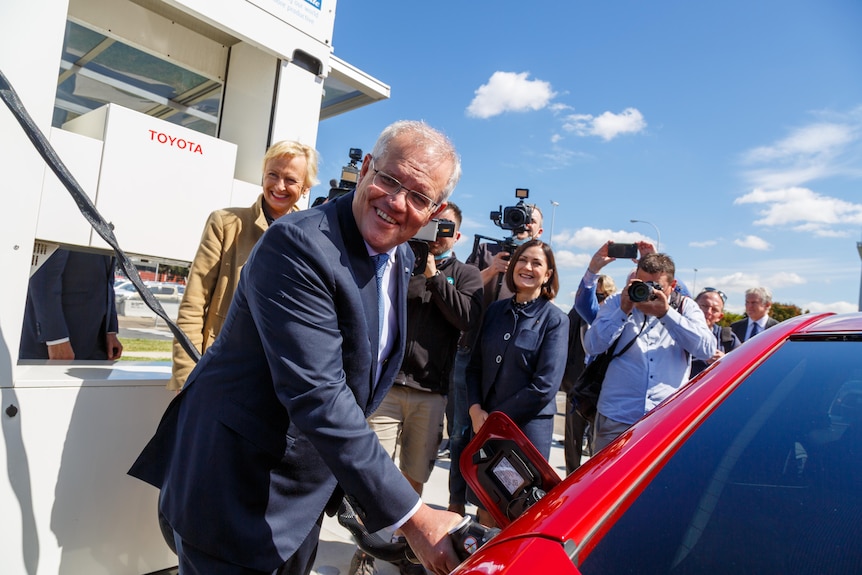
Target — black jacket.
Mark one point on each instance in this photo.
(439, 308)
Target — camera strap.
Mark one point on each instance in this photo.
(613, 346)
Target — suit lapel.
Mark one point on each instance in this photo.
(362, 269)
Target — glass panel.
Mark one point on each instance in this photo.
(97, 70)
(770, 483)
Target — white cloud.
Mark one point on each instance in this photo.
(811, 211)
(591, 238)
(815, 140)
(510, 92)
(608, 125)
(735, 284)
(837, 307)
(815, 152)
(570, 260)
(752, 242)
(703, 244)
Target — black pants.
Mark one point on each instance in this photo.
(573, 443)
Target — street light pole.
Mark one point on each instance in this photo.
(694, 287)
(657, 233)
(553, 217)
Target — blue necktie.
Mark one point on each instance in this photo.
(380, 261)
(755, 329)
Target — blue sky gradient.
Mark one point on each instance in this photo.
(733, 127)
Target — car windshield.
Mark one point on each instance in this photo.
(770, 483)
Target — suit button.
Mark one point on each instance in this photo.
(507, 336)
(499, 358)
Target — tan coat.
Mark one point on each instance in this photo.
(227, 240)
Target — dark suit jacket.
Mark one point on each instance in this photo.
(741, 327)
(249, 453)
(71, 295)
(518, 362)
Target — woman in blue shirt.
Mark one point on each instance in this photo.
(520, 356)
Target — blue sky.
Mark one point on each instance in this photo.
(733, 127)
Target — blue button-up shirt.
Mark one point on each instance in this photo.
(658, 362)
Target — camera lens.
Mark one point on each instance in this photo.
(640, 292)
(514, 217)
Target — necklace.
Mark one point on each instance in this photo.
(518, 305)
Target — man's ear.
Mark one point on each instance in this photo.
(366, 165)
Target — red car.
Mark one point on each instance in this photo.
(755, 466)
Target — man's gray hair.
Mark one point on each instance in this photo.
(765, 294)
(436, 146)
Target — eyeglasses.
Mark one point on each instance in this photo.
(720, 293)
(417, 201)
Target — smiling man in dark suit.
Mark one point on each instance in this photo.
(270, 426)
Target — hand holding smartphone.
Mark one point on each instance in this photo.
(628, 251)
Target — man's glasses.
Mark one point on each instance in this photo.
(720, 293)
(417, 201)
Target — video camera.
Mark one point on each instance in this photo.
(349, 179)
(515, 217)
(430, 232)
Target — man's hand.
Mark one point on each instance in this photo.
(644, 248)
(115, 348)
(600, 259)
(715, 357)
(427, 532)
(61, 351)
(656, 306)
(498, 265)
(430, 266)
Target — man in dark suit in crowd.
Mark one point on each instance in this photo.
(70, 311)
(271, 424)
(758, 301)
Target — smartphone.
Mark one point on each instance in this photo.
(627, 251)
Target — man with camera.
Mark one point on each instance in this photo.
(665, 330)
(492, 259)
(442, 301)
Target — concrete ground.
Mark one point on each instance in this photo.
(337, 547)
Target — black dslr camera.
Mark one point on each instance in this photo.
(640, 291)
(430, 232)
(349, 178)
(515, 217)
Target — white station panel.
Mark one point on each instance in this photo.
(59, 217)
(158, 182)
